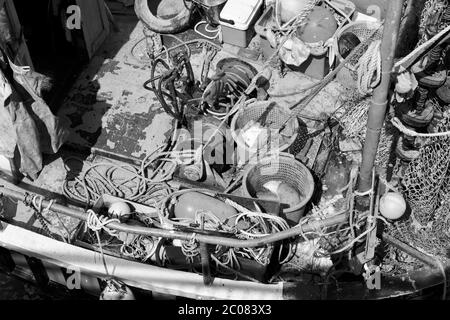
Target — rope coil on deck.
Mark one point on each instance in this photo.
(97, 223)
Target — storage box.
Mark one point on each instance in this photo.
(237, 19)
(5, 165)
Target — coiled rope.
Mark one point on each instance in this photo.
(36, 205)
(369, 68)
(145, 184)
(97, 223)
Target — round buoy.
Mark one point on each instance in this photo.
(116, 290)
(321, 26)
(290, 8)
(120, 210)
(392, 205)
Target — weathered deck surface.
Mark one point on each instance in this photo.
(108, 109)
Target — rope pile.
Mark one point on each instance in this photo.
(141, 248)
(39, 212)
(98, 223)
(293, 24)
(146, 185)
(259, 225)
(369, 68)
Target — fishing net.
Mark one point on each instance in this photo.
(426, 178)
(430, 9)
(426, 186)
(353, 121)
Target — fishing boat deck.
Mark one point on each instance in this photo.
(109, 113)
(108, 110)
(111, 116)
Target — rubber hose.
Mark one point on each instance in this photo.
(188, 236)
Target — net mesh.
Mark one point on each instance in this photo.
(353, 121)
(426, 187)
(425, 178)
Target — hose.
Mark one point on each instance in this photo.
(187, 236)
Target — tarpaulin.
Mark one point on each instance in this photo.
(28, 123)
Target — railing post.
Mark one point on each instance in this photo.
(379, 103)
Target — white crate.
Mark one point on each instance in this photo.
(5, 165)
(237, 19)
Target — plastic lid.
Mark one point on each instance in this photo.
(238, 13)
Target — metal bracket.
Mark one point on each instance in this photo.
(371, 240)
(372, 276)
(209, 52)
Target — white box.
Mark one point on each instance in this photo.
(5, 165)
(237, 19)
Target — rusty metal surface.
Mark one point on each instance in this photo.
(108, 108)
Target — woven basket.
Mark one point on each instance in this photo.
(275, 118)
(284, 168)
(363, 30)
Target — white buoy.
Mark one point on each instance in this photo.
(120, 210)
(392, 205)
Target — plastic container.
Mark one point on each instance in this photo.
(316, 66)
(284, 168)
(253, 112)
(237, 19)
(5, 165)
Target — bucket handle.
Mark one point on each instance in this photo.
(227, 21)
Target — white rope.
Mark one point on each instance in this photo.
(37, 204)
(207, 29)
(412, 57)
(362, 194)
(397, 123)
(369, 68)
(298, 19)
(389, 187)
(97, 223)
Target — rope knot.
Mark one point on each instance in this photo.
(97, 223)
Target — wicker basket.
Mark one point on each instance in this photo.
(363, 30)
(286, 169)
(275, 119)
